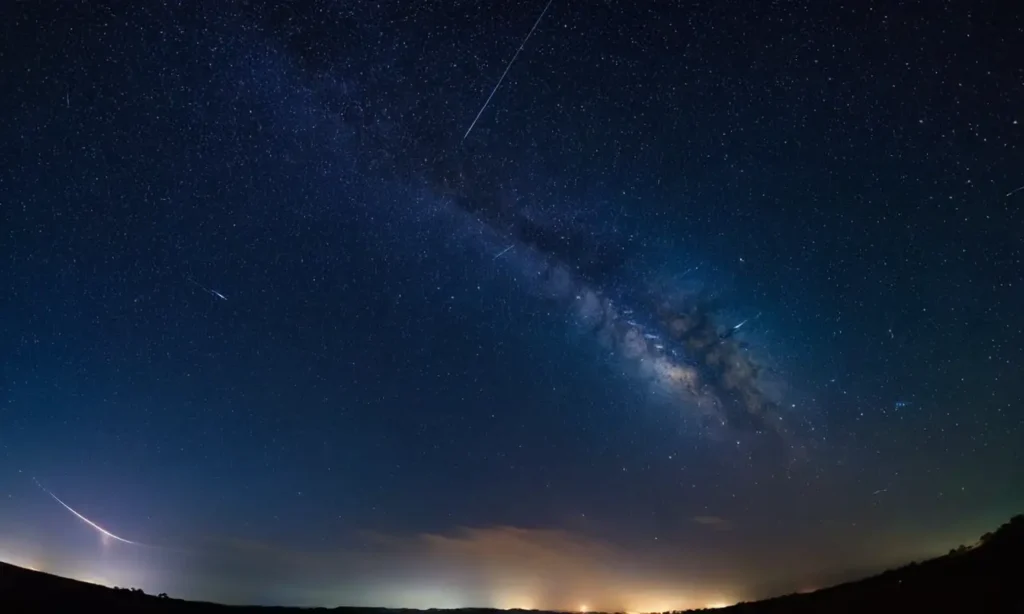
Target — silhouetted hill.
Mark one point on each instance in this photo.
(983, 578)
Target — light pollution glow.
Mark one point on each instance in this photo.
(498, 567)
(501, 567)
(413, 595)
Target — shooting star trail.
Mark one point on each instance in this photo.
(510, 62)
(212, 293)
(740, 325)
(1008, 194)
(86, 520)
(503, 252)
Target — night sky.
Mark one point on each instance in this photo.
(716, 300)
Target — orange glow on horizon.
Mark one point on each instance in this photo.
(718, 605)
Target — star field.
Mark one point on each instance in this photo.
(715, 301)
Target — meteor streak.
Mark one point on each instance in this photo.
(510, 62)
(92, 524)
(209, 291)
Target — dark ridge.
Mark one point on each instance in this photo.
(983, 578)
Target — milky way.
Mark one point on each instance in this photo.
(675, 341)
(668, 334)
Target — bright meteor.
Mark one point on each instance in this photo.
(86, 520)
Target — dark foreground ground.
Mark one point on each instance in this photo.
(987, 577)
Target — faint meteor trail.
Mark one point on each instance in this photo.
(503, 252)
(212, 293)
(510, 62)
(92, 524)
